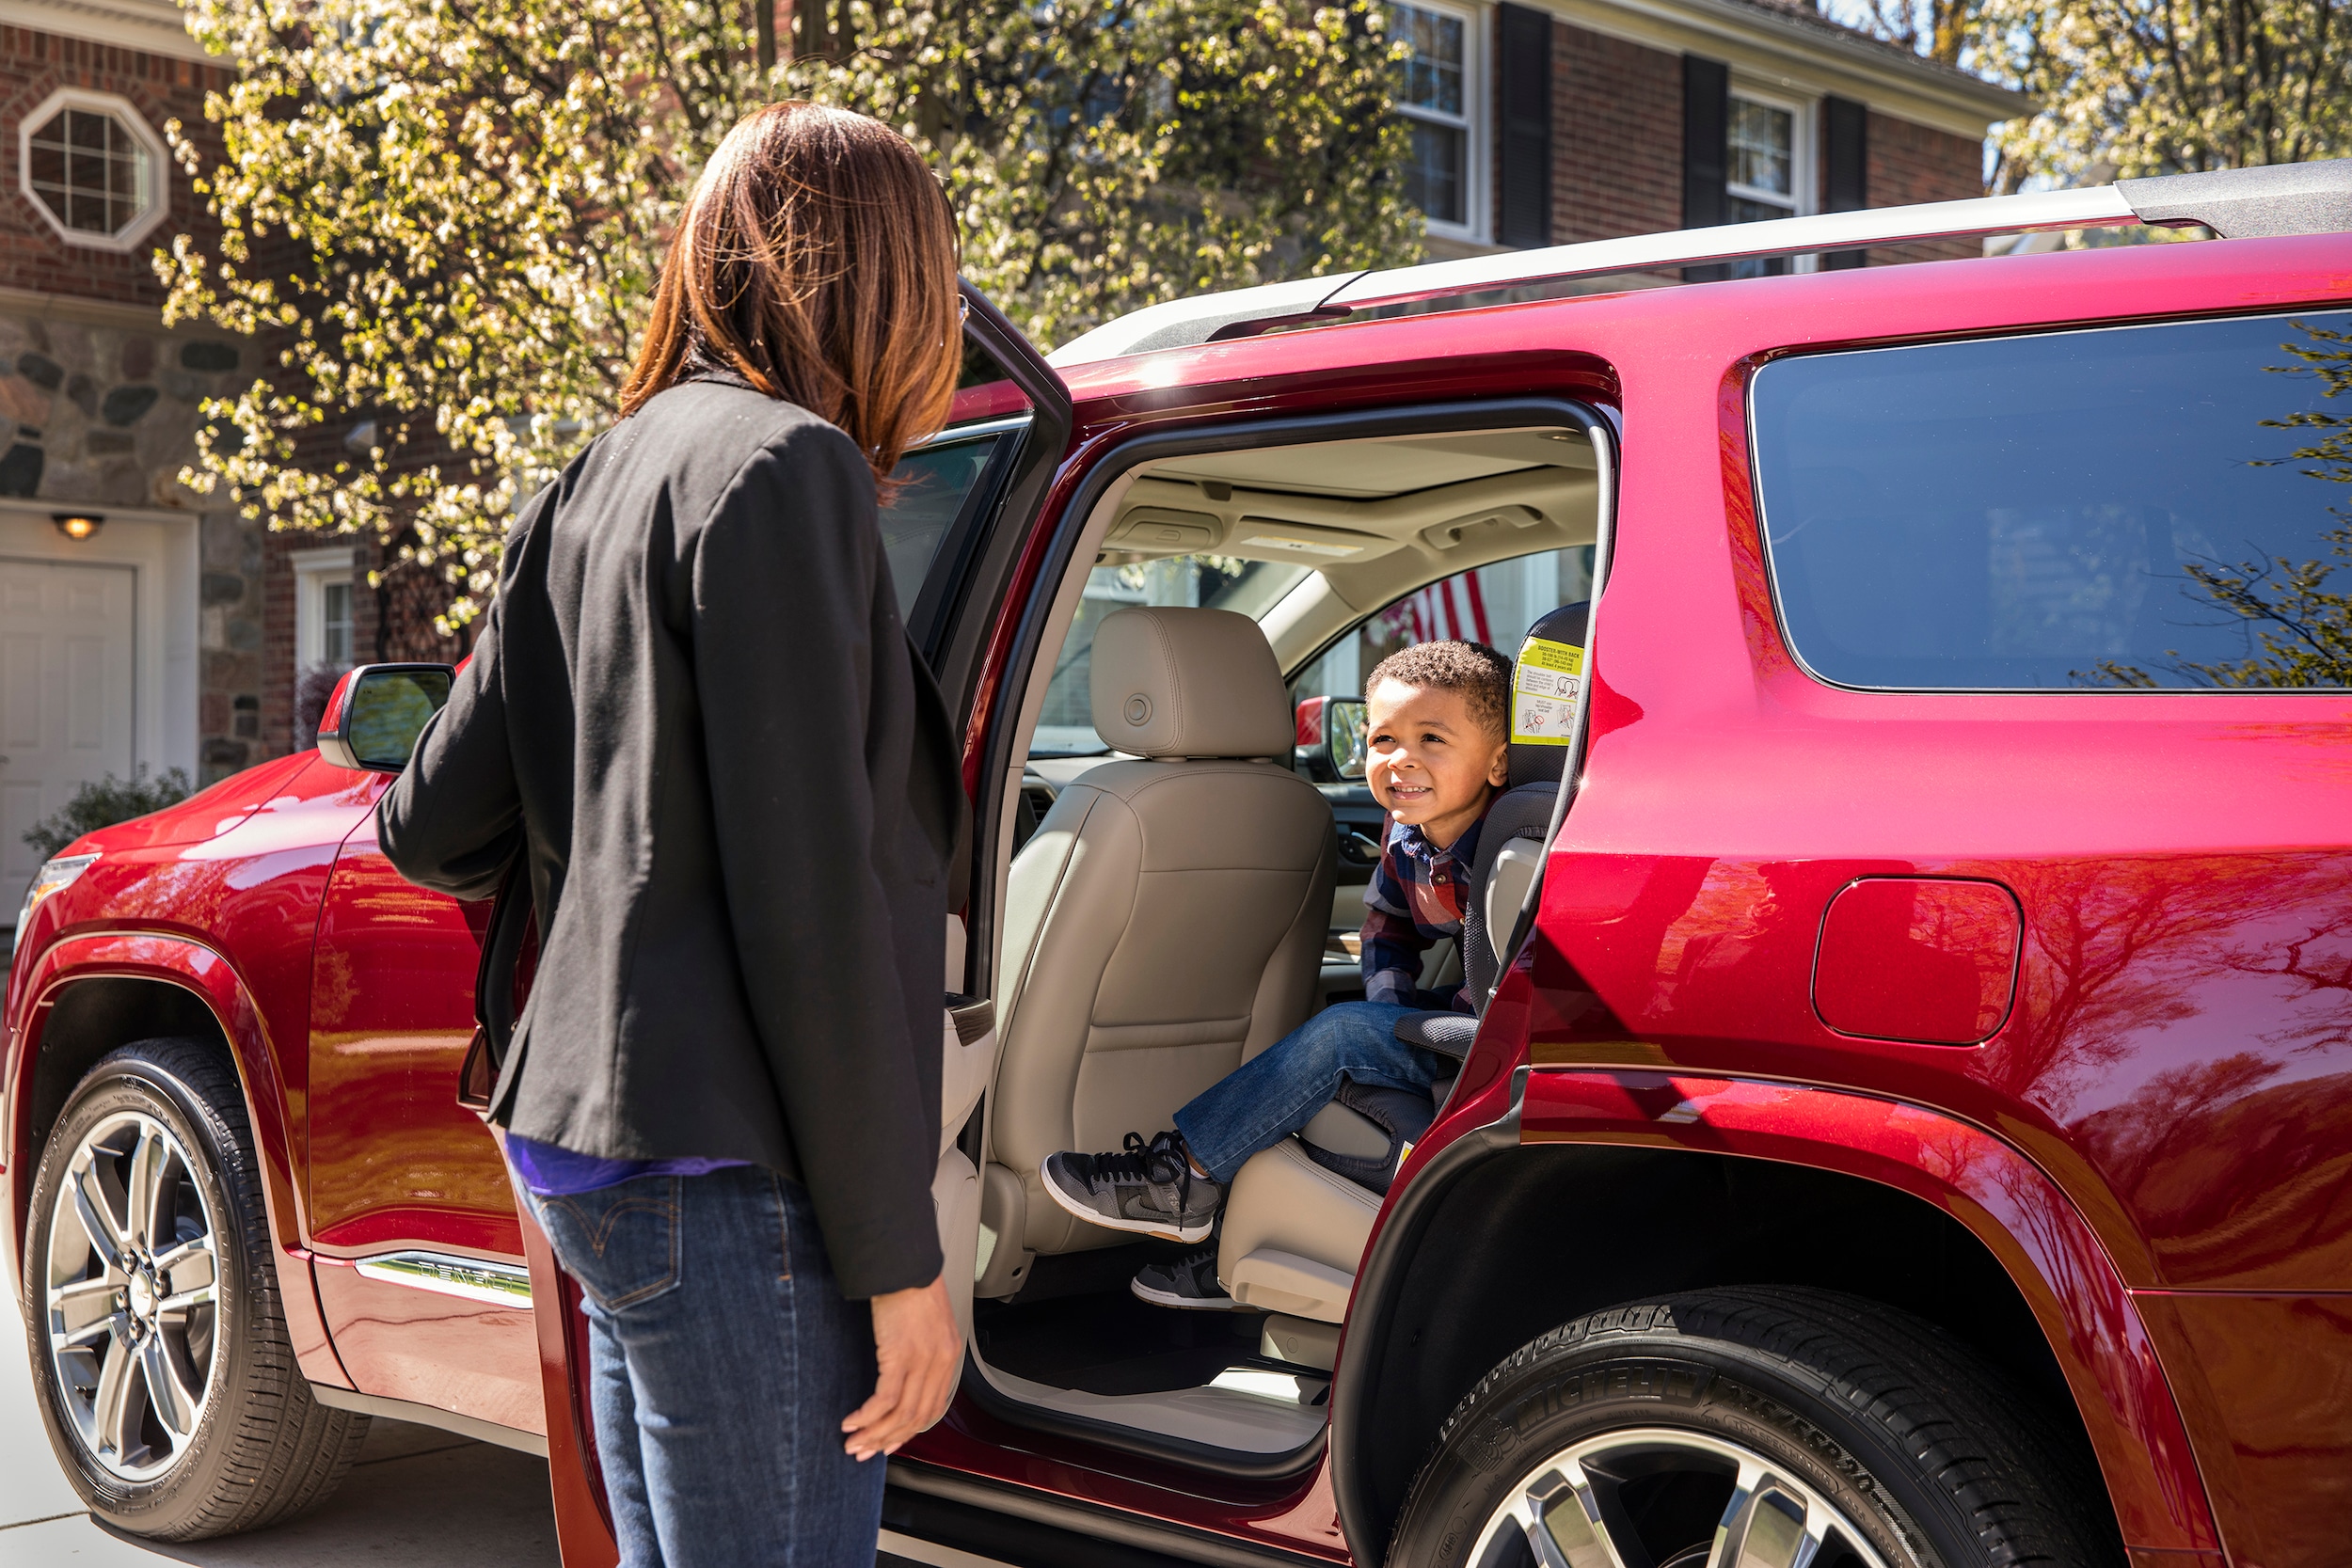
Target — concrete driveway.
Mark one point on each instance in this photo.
(416, 1498)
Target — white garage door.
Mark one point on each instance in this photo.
(65, 697)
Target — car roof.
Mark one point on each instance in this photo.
(2281, 200)
(1735, 318)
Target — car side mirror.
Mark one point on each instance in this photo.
(377, 711)
(1330, 740)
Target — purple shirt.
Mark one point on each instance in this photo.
(553, 1172)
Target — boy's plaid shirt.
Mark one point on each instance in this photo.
(1414, 898)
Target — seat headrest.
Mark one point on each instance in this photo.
(1544, 684)
(1174, 682)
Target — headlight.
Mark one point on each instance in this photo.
(56, 875)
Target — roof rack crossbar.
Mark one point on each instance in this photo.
(2294, 198)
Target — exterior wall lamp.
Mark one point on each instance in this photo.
(77, 526)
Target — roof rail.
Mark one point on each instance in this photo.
(2287, 198)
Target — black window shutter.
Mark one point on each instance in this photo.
(1523, 90)
(1706, 149)
(1846, 144)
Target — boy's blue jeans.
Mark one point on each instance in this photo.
(722, 1359)
(1278, 1091)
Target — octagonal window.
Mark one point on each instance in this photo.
(94, 167)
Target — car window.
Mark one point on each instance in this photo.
(944, 481)
(936, 482)
(1492, 604)
(2163, 506)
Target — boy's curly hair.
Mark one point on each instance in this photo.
(1482, 676)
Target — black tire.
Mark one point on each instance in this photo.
(257, 1449)
(1928, 1452)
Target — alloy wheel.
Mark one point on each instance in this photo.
(1639, 1499)
(132, 1296)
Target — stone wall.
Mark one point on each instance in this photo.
(93, 415)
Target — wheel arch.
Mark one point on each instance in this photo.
(1513, 1228)
(90, 995)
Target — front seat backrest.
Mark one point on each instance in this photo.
(1168, 918)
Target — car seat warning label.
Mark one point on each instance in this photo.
(1543, 688)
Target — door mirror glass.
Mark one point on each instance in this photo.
(1345, 730)
(1330, 745)
(379, 710)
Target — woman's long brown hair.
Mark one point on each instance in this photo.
(816, 260)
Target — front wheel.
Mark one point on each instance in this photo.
(158, 1346)
(1767, 1427)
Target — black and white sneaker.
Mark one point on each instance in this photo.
(1148, 1189)
(1188, 1284)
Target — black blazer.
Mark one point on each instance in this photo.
(694, 709)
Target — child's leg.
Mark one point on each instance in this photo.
(1279, 1091)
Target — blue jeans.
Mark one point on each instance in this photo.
(723, 1360)
(1278, 1091)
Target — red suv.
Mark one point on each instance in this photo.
(1910, 1119)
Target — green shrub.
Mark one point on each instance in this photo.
(105, 801)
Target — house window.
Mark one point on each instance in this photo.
(323, 608)
(1441, 90)
(1768, 175)
(94, 168)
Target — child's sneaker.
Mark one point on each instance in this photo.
(1148, 1189)
(1189, 1283)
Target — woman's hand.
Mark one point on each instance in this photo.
(920, 1355)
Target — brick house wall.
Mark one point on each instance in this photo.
(1618, 146)
(392, 622)
(1917, 163)
(35, 64)
(1617, 110)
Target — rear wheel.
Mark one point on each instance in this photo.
(1772, 1427)
(166, 1381)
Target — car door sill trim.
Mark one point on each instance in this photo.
(1085, 1519)
(1240, 1463)
(445, 1273)
(431, 1416)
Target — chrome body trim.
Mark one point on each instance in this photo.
(468, 1278)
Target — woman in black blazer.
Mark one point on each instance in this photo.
(694, 714)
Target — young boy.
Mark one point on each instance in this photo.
(1438, 754)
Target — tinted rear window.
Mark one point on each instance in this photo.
(2153, 506)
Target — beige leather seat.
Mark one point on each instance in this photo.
(1165, 922)
(1295, 1231)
